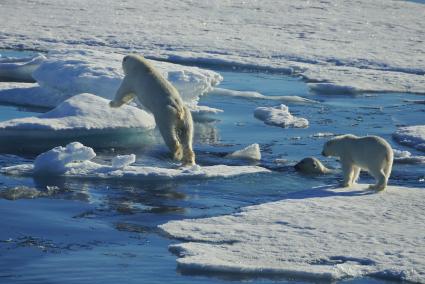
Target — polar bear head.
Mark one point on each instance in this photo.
(335, 146)
(133, 62)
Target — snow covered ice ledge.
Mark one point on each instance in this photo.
(68, 72)
(84, 117)
(375, 45)
(320, 234)
(75, 160)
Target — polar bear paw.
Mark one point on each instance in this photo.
(377, 187)
(178, 152)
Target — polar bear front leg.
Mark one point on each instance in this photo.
(123, 95)
(348, 172)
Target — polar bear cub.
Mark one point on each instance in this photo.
(370, 153)
(154, 92)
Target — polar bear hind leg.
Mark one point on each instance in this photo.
(171, 140)
(168, 126)
(185, 135)
(380, 178)
(356, 173)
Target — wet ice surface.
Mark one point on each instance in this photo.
(71, 230)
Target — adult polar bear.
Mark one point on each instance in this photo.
(154, 92)
(370, 153)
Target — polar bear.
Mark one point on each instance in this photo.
(370, 153)
(154, 92)
(312, 165)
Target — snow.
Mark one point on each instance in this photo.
(413, 136)
(259, 96)
(251, 152)
(19, 69)
(312, 234)
(405, 157)
(81, 112)
(369, 46)
(75, 160)
(279, 116)
(69, 72)
(60, 159)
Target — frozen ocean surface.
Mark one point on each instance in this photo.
(361, 46)
(355, 67)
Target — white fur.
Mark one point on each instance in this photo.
(155, 93)
(370, 153)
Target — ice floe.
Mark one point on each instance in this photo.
(413, 136)
(82, 112)
(322, 135)
(405, 157)
(69, 72)
(279, 116)
(312, 234)
(20, 69)
(259, 96)
(251, 152)
(343, 80)
(376, 45)
(122, 161)
(75, 160)
(84, 117)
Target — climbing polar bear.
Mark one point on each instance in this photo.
(370, 153)
(154, 92)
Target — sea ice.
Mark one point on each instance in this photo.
(312, 234)
(61, 160)
(74, 160)
(81, 112)
(405, 157)
(251, 152)
(375, 45)
(19, 69)
(279, 116)
(122, 161)
(69, 72)
(413, 136)
(259, 96)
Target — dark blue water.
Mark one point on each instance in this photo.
(105, 232)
